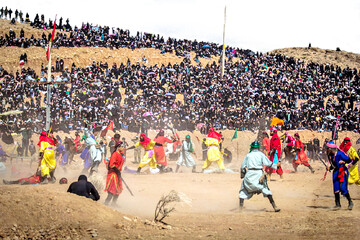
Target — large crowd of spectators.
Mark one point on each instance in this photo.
(255, 88)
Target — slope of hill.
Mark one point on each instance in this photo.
(324, 56)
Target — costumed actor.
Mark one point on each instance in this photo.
(338, 159)
(255, 181)
(47, 162)
(346, 147)
(275, 153)
(113, 180)
(213, 141)
(186, 159)
(149, 156)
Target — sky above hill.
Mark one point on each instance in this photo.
(259, 25)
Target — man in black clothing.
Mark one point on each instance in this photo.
(84, 188)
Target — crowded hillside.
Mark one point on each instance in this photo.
(138, 96)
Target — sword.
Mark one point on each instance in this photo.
(127, 187)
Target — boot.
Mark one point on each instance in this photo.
(6, 182)
(194, 169)
(45, 180)
(138, 170)
(311, 169)
(241, 203)
(52, 177)
(276, 209)
(107, 200)
(337, 201)
(177, 168)
(351, 204)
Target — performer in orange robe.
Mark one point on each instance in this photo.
(266, 145)
(113, 180)
(159, 150)
(300, 157)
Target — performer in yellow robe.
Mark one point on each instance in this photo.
(353, 166)
(47, 162)
(149, 156)
(213, 141)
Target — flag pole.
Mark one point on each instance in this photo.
(48, 97)
(223, 50)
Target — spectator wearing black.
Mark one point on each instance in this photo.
(84, 188)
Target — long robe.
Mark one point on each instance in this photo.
(48, 162)
(95, 154)
(159, 150)
(275, 156)
(354, 169)
(300, 157)
(149, 156)
(186, 158)
(253, 163)
(340, 172)
(213, 153)
(113, 181)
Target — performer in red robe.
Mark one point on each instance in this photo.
(300, 157)
(77, 141)
(34, 179)
(113, 180)
(159, 150)
(275, 153)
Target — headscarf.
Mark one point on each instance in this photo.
(345, 145)
(331, 144)
(214, 134)
(191, 147)
(273, 129)
(44, 138)
(146, 140)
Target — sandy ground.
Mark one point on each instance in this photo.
(306, 206)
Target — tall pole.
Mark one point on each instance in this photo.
(223, 50)
(48, 96)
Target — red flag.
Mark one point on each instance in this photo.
(52, 38)
(109, 127)
(53, 31)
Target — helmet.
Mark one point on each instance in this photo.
(63, 181)
(255, 144)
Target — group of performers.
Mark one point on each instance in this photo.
(256, 168)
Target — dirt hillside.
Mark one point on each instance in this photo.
(324, 56)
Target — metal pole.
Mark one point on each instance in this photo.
(48, 96)
(223, 51)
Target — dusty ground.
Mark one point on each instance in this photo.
(213, 213)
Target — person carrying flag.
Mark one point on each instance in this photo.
(213, 141)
